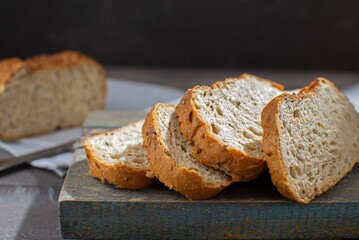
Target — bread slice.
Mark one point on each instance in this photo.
(169, 156)
(47, 92)
(118, 157)
(222, 123)
(311, 140)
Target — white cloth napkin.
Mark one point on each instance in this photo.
(57, 163)
(37, 143)
(122, 96)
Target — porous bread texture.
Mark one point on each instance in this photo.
(222, 123)
(48, 92)
(118, 158)
(311, 140)
(170, 158)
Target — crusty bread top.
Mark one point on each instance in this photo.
(9, 67)
(311, 140)
(273, 84)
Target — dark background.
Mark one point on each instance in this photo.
(200, 33)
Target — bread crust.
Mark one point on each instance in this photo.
(66, 59)
(207, 148)
(187, 182)
(273, 84)
(119, 174)
(272, 146)
(62, 59)
(272, 142)
(10, 66)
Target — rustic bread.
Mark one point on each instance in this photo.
(311, 140)
(222, 123)
(169, 156)
(118, 157)
(47, 92)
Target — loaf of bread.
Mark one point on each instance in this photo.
(311, 140)
(170, 158)
(47, 92)
(230, 132)
(222, 124)
(118, 158)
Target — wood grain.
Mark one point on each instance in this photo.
(26, 210)
(90, 209)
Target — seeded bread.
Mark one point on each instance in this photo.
(170, 158)
(118, 157)
(47, 92)
(222, 124)
(311, 140)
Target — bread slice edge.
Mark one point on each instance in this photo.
(118, 174)
(181, 179)
(217, 154)
(272, 143)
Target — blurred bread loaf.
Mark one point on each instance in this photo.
(47, 92)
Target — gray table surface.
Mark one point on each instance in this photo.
(28, 196)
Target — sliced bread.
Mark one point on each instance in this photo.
(222, 124)
(118, 157)
(170, 157)
(47, 92)
(311, 140)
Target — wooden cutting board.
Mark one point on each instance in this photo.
(90, 209)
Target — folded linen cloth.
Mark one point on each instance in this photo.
(56, 163)
(41, 142)
(59, 163)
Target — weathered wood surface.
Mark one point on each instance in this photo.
(28, 203)
(90, 209)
